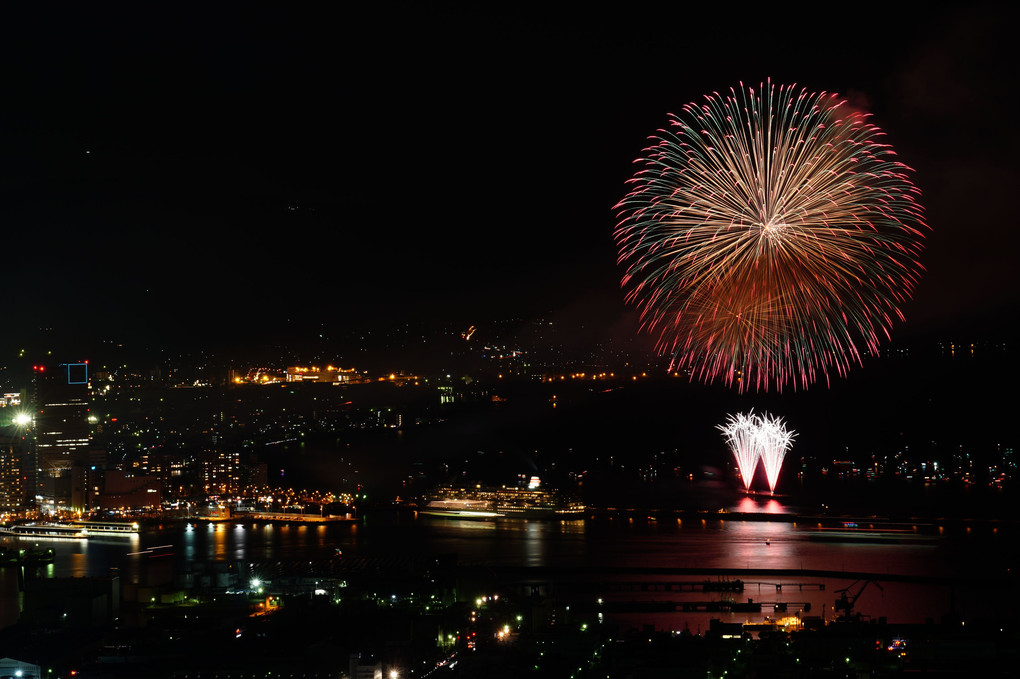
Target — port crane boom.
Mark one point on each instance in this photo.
(847, 598)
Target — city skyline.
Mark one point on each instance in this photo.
(330, 266)
(421, 189)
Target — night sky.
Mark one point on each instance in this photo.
(196, 171)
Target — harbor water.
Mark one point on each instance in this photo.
(961, 571)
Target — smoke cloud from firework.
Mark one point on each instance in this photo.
(769, 238)
(757, 437)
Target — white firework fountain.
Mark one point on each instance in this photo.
(757, 437)
(774, 440)
(740, 431)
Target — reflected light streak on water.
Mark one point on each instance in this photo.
(763, 544)
(239, 538)
(534, 544)
(219, 532)
(607, 542)
(749, 505)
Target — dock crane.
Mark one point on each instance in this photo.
(847, 598)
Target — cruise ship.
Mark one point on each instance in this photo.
(489, 502)
(73, 530)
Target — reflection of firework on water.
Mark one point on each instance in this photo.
(740, 431)
(773, 441)
(768, 237)
(757, 437)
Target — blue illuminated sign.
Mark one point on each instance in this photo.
(77, 373)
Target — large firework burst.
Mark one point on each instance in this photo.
(769, 237)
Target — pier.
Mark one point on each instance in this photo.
(747, 606)
(733, 586)
(574, 576)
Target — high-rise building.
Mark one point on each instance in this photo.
(12, 490)
(219, 467)
(17, 457)
(169, 467)
(61, 403)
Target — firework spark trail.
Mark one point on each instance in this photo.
(757, 437)
(768, 237)
(774, 440)
(741, 433)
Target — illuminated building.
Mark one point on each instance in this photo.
(9, 667)
(84, 487)
(327, 375)
(221, 473)
(257, 376)
(220, 469)
(12, 490)
(170, 468)
(61, 428)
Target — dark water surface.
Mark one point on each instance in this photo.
(976, 560)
